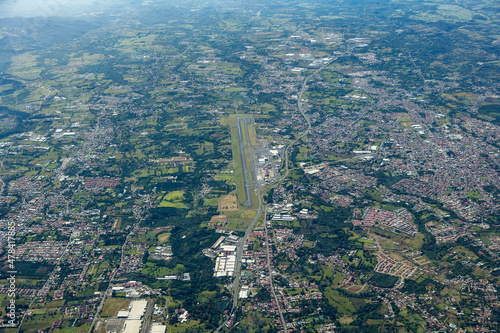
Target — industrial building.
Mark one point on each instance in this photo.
(134, 316)
(157, 328)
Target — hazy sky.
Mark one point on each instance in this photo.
(36, 8)
(33, 8)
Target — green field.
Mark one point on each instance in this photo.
(172, 204)
(451, 13)
(158, 271)
(163, 237)
(474, 194)
(173, 199)
(239, 220)
(341, 303)
(113, 305)
(40, 321)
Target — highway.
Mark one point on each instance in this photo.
(261, 192)
(237, 269)
(148, 314)
(302, 112)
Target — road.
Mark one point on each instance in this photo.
(147, 317)
(268, 265)
(46, 284)
(237, 269)
(261, 192)
(302, 112)
(113, 274)
(73, 182)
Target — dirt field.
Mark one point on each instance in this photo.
(228, 203)
(355, 288)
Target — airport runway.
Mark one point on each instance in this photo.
(243, 131)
